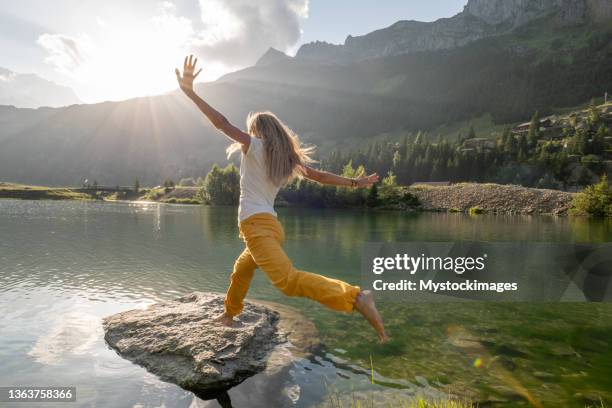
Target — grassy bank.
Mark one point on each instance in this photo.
(26, 192)
(471, 198)
(174, 195)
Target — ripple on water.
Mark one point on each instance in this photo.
(65, 265)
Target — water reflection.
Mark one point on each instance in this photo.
(74, 333)
(65, 265)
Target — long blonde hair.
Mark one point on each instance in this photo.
(284, 154)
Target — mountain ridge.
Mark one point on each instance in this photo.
(335, 106)
(33, 91)
(478, 20)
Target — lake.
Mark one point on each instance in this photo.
(66, 264)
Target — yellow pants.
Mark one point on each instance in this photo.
(264, 236)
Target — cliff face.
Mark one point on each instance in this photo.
(519, 12)
(402, 37)
(479, 19)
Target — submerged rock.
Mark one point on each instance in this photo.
(181, 343)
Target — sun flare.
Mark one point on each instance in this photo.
(123, 62)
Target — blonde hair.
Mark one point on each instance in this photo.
(284, 154)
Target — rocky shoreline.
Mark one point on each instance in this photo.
(493, 198)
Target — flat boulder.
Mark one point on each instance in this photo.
(180, 342)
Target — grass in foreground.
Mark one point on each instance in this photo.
(357, 402)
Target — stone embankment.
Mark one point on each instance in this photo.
(494, 198)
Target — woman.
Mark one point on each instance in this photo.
(271, 156)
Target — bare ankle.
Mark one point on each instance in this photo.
(225, 318)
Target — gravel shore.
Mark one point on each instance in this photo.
(495, 198)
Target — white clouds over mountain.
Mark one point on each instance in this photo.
(240, 31)
(66, 53)
(126, 57)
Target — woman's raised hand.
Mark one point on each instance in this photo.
(366, 181)
(186, 80)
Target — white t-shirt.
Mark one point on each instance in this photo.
(257, 192)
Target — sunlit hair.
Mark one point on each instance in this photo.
(284, 154)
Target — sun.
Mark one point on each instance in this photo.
(125, 62)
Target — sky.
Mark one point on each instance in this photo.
(117, 49)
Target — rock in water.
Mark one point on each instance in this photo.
(179, 341)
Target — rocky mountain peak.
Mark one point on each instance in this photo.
(479, 19)
(271, 57)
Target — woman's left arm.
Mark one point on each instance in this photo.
(332, 179)
(215, 117)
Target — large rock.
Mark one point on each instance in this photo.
(179, 341)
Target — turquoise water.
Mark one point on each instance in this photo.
(65, 265)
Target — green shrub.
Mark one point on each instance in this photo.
(410, 200)
(595, 200)
(372, 199)
(222, 186)
(476, 211)
(389, 192)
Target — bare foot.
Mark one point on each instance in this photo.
(364, 304)
(225, 319)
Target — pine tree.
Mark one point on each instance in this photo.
(523, 147)
(397, 159)
(471, 133)
(372, 199)
(419, 138)
(534, 130)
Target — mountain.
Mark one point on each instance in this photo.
(538, 65)
(272, 57)
(32, 91)
(479, 19)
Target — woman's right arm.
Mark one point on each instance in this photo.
(215, 117)
(332, 179)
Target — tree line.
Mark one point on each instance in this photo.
(572, 159)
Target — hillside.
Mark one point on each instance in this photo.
(479, 19)
(537, 66)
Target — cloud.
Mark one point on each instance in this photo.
(66, 53)
(6, 75)
(122, 58)
(238, 32)
(170, 28)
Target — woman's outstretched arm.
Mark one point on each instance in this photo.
(331, 179)
(215, 117)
